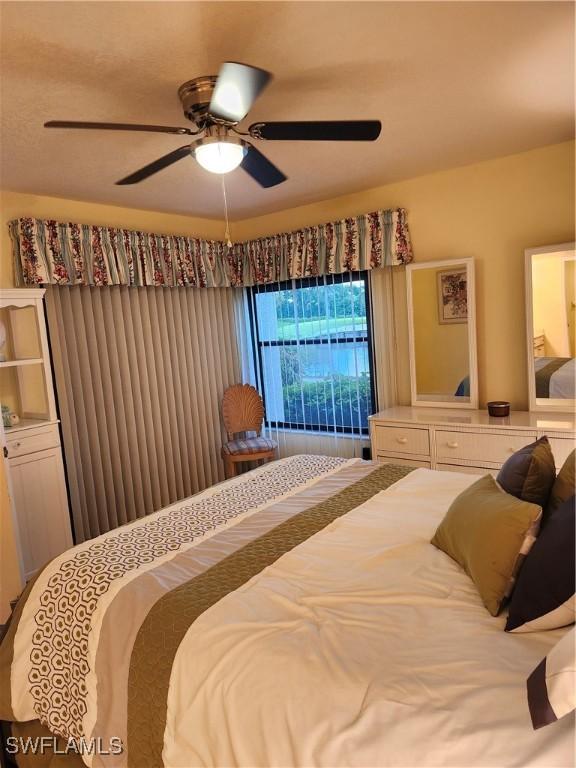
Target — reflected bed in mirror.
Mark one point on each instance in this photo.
(550, 307)
(442, 333)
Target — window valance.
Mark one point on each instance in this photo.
(47, 251)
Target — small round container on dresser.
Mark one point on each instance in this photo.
(499, 408)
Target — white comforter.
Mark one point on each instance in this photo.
(364, 646)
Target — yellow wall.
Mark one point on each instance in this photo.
(441, 348)
(549, 303)
(14, 204)
(491, 211)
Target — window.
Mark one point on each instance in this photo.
(312, 350)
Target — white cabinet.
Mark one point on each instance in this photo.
(39, 497)
(466, 441)
(31, 441)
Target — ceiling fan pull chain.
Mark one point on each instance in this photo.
(227, 230)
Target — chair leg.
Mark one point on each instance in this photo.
(229, 466)
(269, 457)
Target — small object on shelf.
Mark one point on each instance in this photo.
(499, 408)
(2, 341)
(9, 418)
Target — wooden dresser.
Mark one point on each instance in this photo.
(464, 441)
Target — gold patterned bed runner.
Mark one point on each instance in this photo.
(168, 621)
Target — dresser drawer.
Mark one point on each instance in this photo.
(402, 461)
(466, 446)
(410, 440)
(467, 470)
(32, 441)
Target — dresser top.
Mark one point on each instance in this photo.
(516, 420)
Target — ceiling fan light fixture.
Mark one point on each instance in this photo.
(219, 156)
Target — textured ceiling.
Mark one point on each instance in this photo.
(453, 83)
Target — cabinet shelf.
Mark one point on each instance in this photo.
(24, 361)
(28, 424)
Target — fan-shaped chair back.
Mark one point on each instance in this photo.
(242, 410)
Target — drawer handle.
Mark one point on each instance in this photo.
(16, 445)
(402, 440)
(452, 445)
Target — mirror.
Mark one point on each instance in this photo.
(442, 333)
(550, 332)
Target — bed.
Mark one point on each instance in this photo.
(555, 377)
(294, 616)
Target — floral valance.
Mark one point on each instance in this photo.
(47, 251)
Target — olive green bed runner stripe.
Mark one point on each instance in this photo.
(168, 621)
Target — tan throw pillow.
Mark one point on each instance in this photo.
(489, 532)
(563, 487)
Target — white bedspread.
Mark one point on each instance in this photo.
(364, 646)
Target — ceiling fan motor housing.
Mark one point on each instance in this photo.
(195, 96)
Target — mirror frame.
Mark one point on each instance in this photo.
(472, 351)
(555, 404)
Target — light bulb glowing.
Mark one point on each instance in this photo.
(219, 156)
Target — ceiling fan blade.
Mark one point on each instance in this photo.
(261, 169)
(119, 127)
(237, 88)
(329, 130)
(157, 165)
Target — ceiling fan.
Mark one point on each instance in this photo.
(216, 105)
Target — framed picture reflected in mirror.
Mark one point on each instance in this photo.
(453, 296)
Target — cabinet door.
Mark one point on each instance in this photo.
(41, 507)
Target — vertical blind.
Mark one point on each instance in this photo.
(140, 374)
